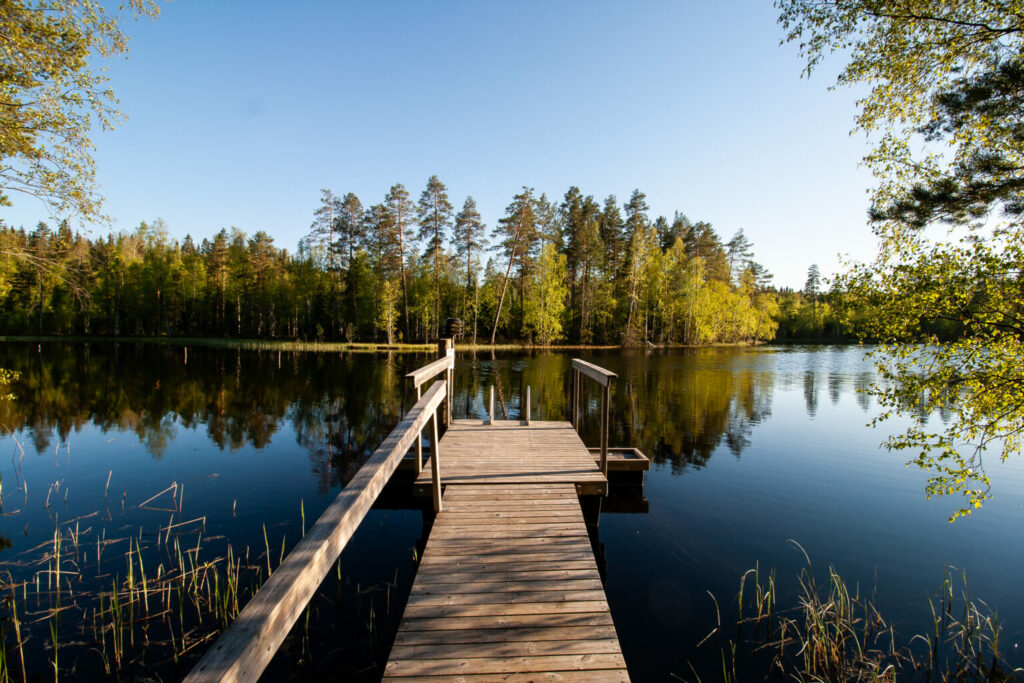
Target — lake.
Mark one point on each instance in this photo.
(152, 459)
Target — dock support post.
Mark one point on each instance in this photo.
(490, 411)
(526, 414)
(435, 464)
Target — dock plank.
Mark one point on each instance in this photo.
(508, 588)
(542, 456)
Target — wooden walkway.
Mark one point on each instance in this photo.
(509, 452)
(508, 589)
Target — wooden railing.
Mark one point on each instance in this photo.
(445, 364)
(244, 650)
(605, 379)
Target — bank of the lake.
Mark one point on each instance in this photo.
(751, 448)
(461, 344)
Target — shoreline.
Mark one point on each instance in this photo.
(378, 347)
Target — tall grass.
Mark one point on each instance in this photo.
(153, 597)
(835, 634)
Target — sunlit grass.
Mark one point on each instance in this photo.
(835, 634)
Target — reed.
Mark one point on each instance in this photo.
(90, 599)
(835, 634)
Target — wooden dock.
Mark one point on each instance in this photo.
(508, 587)
(509, 452)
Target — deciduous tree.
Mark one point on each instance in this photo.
(53, 96)
(946, 308)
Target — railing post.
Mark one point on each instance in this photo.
(445, 348)
(435, 463)
(527, 413)
(604, 430)
(419, 441)
(576, 399)
(449, 401)
(490, 411)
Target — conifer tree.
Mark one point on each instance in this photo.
(739, 251)
(636, 227)
(513, 231)
(351, 226)
(813, 283)
(469, 233)
(435, 214)
(400, 210)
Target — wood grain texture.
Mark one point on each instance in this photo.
(540, 456)
(594, 372)
(507, 589)
(421, 375)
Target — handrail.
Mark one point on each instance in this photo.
(603, 377)
(421, 375)
(243, 651)
(594, 372)
(445, 364)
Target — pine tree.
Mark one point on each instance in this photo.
(513, 230)
(352, 231)
(322, 241)
(739, 251)
(351, 226)
(636, 231)
(590, 249)
(435, 215)
(469, 231)
(400, 210)
(813, 284)
(217, 265)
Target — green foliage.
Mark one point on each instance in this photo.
(52, 98)
(387, 315)
(947, 310)
(546, 303)
(952, 317)
(7, 377)
(555, 277)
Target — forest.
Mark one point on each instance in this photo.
(574, 271)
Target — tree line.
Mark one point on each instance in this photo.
(572, 271)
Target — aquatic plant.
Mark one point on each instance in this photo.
(835, 634)
(100, 606)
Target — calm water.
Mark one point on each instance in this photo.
(751, 449)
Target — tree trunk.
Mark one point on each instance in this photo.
(405, 290)
(504, 286)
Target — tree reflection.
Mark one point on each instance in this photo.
(339, 405)
(679, 407)
(811, 392)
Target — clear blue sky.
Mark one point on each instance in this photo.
(239, 112)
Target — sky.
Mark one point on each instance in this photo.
(240, 112)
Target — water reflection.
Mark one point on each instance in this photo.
(292, 414)
(339, 405)
(678, 407)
